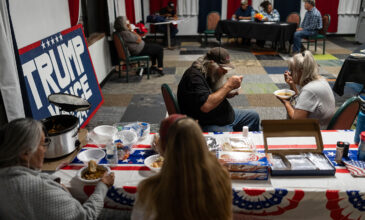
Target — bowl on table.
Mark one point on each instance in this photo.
(154, 162)
(91, 154)
(85, 176)
(284, 93)
(104, 133)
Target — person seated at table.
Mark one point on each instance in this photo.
(312, 22)
(269, 14)
(203, 91)
(137, 47)
(192, 184)
(164, 128)
(244, 12)
(26, 193)
(314, 97)
(169, 13)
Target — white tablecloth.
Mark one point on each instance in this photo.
(278, 198)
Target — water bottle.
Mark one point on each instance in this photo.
(253, 12)
(361, 149)
(111, 154)
(247, 140)
(360, 125)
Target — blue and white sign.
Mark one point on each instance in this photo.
(59, 63)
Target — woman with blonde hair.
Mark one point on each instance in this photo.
(191, 184)
(314, 95)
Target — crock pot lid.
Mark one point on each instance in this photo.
(67, 102)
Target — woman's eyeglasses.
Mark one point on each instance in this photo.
(47, 142)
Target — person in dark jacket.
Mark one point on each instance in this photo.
(203, 91)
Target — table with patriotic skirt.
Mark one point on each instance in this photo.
(315, 197)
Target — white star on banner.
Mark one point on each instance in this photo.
(142, 153)
(52, 40)
(48, 44)
(331, 154)
(60, 36)
(139, 160)
(56, 38)
(43, 45)
(125, 161)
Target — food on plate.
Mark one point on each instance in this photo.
(93, 173)
(92, 166)
(157, 163)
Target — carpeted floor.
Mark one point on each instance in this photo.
(262, 70)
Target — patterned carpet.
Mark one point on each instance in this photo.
(262, 70)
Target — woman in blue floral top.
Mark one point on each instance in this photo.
(269, 14)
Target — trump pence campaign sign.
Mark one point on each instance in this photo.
(59, 63)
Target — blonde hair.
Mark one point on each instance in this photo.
(304, 66)
(192, 184)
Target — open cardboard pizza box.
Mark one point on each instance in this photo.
(299, 139)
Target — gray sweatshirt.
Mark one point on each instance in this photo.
(29, 194)
(130, 39)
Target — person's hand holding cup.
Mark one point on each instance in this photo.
(234, 83)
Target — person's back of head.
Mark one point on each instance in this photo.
(192, 184)
(18, 137)
(305, 64)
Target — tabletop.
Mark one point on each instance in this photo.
(277, 198)
(272, 31)
(352, 70)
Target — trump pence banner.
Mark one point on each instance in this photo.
(60, 63)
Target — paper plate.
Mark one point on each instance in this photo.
(358, 55)
(284, 24)
(269, 22)
(244, 20)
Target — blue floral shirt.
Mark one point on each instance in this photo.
(312, 20)
(273, 16)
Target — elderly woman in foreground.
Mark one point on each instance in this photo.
(26, 193)
(314, 95)
(191, 184)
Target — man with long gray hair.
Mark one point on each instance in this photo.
(203, 91)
